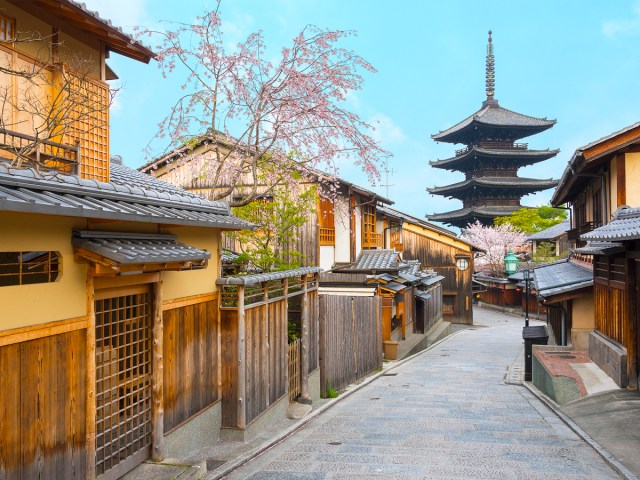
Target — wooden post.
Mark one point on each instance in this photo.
(90, 359)
(354, 336)
(304, 357)
(265, 370)
(157, 378)
(242, 361)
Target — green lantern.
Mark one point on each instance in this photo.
(511, 263)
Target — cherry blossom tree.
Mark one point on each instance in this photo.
(496, 242)
(263, 119)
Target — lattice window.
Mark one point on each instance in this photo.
(369, 236)
(123, 378)
(7, 28)
(326, 222)
(91, 126)
(25, 268)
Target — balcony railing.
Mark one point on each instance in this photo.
(372, 240)
(573, 235)
(41, 154)
(327, 236)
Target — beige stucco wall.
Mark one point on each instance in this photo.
(24, 305)
(632, 174)
(341, 222)
(193, 282)
(583, 321)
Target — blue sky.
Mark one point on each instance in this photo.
(575, 61)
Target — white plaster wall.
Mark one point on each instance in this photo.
(341, 222)
(327, 256)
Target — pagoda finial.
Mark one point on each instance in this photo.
(491, 73)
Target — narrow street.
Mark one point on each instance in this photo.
(446, 414)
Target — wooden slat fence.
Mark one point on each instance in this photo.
(294, 369)
(190, 361)
(350, 339)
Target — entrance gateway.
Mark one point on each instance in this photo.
(123, 379)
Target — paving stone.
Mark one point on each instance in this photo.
(447, 414)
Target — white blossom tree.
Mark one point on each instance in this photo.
(496, 242)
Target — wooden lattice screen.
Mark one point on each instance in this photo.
(91, 126)
(123, 380)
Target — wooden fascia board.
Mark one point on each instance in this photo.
(612, 145)
(439, 237)
(561, 297)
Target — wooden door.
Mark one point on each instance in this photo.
(123, 379)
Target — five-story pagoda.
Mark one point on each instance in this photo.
(490, 160)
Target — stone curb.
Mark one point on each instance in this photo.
(246, 458)
(612, 461)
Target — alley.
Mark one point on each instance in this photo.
(446, 414)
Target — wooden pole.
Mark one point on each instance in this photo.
(304, 357)
(157, 378)
(242, 361)
(90, 359)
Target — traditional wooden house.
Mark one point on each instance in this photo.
(490, 160)
(600, 178)
(336, 231)
(437, 249)
(110, 331)
(556, 237)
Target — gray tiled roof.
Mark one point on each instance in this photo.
(594, 247)
(127, 248)
(551, 233)
(431, 280)
(266, 277)
(562, 276)
(501, 182)
(482, 211)
(27, 191)
(411, 267)
(377, 260)
(395, 286)
(513, 156)
(493, 115)
(625, 225)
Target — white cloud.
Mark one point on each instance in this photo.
(386, 132)
(626, 26)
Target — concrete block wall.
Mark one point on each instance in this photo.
(610, 357)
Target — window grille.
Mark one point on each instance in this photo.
(25, 268)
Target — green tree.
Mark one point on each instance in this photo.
(545, 252)
(279, 218)
(532, 220)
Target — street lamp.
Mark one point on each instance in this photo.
(511, 263)
(527, 278)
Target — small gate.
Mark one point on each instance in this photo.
(123, 379)
(294, 370)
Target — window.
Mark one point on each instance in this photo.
(7, 29)
(25, 268)
(370, 239)
(326, 222)
(597, 208)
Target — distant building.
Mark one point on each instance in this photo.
(556, 236)
(490, 160)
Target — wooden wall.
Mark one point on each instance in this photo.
(431, 310)
(503, 298)
(350, 339)
(229, 363)
(314, 331)
(42, 408)
(441, 258)
(190, 361)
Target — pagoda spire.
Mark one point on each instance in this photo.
(491, 73)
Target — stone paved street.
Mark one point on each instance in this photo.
(446, 414)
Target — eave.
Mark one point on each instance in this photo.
(514, 185)
(518, 158)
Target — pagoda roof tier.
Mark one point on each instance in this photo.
(517, 156)
(462, 217)
(514, 185)
(492, 122)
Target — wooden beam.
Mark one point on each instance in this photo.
(191, 300)
(621, 183)
(90, 472)
(157, 378)
(242, 362)
(35, 332)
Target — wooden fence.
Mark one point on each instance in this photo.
(350, 339)
(294, 370)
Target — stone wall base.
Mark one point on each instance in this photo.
(610, 357)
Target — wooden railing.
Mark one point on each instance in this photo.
(41, 154)
(371, 239)
(295, 388)
(396, 240)
(327, 236)
(574, 233)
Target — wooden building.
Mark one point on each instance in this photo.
(109, 333)
(600, 178)
(336, 232)
(437, 249)
(490, 160)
